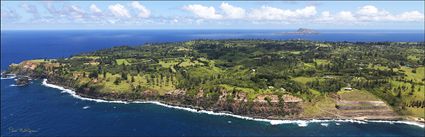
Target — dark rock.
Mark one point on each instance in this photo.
(5, 75)
(22, 81)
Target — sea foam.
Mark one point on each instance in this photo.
(300, 123)
(9, 77)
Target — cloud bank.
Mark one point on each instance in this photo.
(136, 13)
(367, 13)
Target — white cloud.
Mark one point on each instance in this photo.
(31, 9)
(325, 16)
(345, 16)
(364, 14)
(52, 10)
(9, 15)
(232, 12)
(370, 14)
(75, 12)
(307, 11)
(119, 10)
(223, 14)
(268, 13)
(95, 9)
(142, 10)
(263, 13)
(368, 10)
(203, 11)
(272, 13)
(411, 16)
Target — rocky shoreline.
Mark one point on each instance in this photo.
(195, 109)
(264, 107)
(176, 98)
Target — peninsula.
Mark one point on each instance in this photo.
(292, 79)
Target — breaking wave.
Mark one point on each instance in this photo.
(9, 77)
(300, 123)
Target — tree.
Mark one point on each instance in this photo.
(124, 76)
(93, 74)
(117, 81)
(104, 74)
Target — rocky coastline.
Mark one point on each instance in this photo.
(301, 121)
(201, 85)
(255, 109)
(177, 100)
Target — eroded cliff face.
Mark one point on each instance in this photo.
(25, 68)
(264, 106)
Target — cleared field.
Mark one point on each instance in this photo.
(37, 60)
(122, 62)
(322, 61)
(303, 80)
(320, 107)
(85, 57)
(357, 95)
(187, 62)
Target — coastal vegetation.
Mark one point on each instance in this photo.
(320, 77)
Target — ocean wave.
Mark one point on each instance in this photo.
(300, 123)
(324, 124)
(14, 85)
(11, 77)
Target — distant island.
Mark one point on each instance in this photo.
(293, 79)
(302, 31)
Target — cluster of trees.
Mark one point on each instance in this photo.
(327, 85)
(417, 104)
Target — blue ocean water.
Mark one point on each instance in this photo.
(39, 110)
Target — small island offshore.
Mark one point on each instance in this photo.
(302, 31)
(292, 79)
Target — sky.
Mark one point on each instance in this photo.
(388, 15)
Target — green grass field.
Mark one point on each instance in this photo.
(85, 57)
(122, 62)
(322, 61)
(319, 106)
(357, 95)
(417, 77)
(303, 80)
